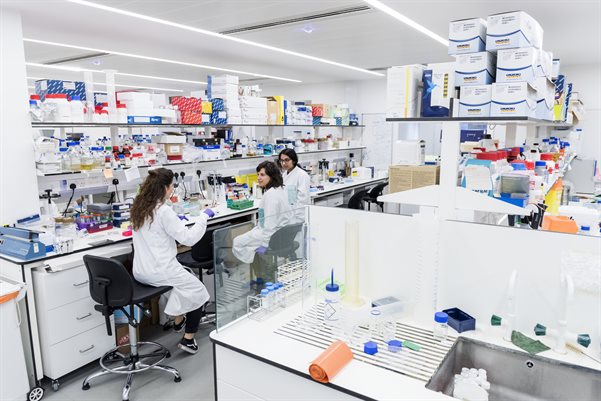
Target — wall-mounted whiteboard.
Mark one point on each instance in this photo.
(377, 137)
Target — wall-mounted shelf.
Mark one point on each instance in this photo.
(99, 171)
(119, 125)
(492, 120)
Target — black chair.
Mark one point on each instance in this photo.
(201, 258)
(372, 196)
(282, 244)
(356, 201)
(114, 289)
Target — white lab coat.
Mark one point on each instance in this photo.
(155, 261)
(297, 183)
(274, 213)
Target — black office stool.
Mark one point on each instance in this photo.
(114, 289)
(374, 193)
(356, 201)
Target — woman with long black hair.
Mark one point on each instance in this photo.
(156, 229)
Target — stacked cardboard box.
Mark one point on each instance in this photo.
(254, 110)
(225, 88)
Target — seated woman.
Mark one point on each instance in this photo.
(273, 214)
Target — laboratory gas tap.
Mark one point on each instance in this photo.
(561, 334)
(510, 322)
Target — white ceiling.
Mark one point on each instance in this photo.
(368, 39)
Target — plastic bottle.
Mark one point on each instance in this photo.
(77, 109)
(86, 160)
(540, 169)
(271, 296)
(265, 298)
(331, 309)
(440, 326)
(65, 159)
(544, 146)
(74, 156)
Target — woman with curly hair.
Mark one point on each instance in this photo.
(156, 229)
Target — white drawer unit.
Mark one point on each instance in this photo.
(68, 355)
(61, 288)
(70, 320)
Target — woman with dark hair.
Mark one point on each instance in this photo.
(273, 213)
(156, 228)
(296, 179)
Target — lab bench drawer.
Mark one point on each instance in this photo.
(69, 320)
(336, 200)
(60, 288)
(71, 354)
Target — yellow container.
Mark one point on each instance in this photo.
(553, 198)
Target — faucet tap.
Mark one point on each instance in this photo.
(561, 334)
(510, 322)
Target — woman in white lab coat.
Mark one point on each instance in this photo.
(156, 228)
(296, 179)
(273, 214)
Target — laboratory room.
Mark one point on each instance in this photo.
(300, 200)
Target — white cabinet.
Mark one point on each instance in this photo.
(72, 334)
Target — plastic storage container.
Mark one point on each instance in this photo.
(57, 108)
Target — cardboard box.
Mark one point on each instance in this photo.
(545, 98)
(125, 97)
(224, 79)
(513, 99)
(218, 104)
(56, 86)
(475, 69)
(122, 336)
(317, 110)
(544, 64)
(467, 36)
(517, 65)
(191, 117)
(474, 101)
(560, 97)
(207, 107)
(279, 108)
(403, 178)
(218, 117)
(402, 91)
(187, 103)
(439, 89)
(512, 30)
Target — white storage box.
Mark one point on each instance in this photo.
(517, 65)
(402, 84)
(172, 138)
(159, 99)
(467, 36)
(475, 69)
(223, 79)
(475, 101)
(545, 97)
(512, 30)
(439, 89)
(253, 102)
(544, 65)
(513, 99)
(409, 152)
(555, 69)
(133, 96)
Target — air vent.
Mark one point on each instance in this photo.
(76, 58)
(329, 14)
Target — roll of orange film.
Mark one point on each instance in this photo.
(330, 362)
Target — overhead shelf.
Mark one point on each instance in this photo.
(496, 120)
(119, 125)
(197, 162)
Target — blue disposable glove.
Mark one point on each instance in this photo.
(209, 212)
(261, 250)
(182, 217)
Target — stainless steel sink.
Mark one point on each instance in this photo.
(514, 375)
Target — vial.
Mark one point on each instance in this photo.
(331, 309)
(265, 298)
(440, 326)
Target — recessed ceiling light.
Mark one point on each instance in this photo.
(96, 62)
(406, 20)
(220, 36)
(124, 86)
(307, 29)
(163, 60)
(77, 69)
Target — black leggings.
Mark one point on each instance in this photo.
(193, 319)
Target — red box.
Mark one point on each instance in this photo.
(317, 110)
(187, 103)
(191, 117)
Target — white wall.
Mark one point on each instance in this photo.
(19, 197)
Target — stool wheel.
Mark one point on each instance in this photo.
(177, 379)
(85, 387)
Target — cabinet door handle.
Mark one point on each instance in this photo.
(80, 284)
(81, 351)
(84, 316)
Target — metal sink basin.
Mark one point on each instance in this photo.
(514, 375)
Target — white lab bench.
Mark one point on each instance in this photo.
(63, 331)
(266, 365)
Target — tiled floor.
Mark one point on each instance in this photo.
(196, 371)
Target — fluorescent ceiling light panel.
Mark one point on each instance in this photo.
(221, 36)
(163, 60)
(406, 20)
(124, 86)
(125, 74)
